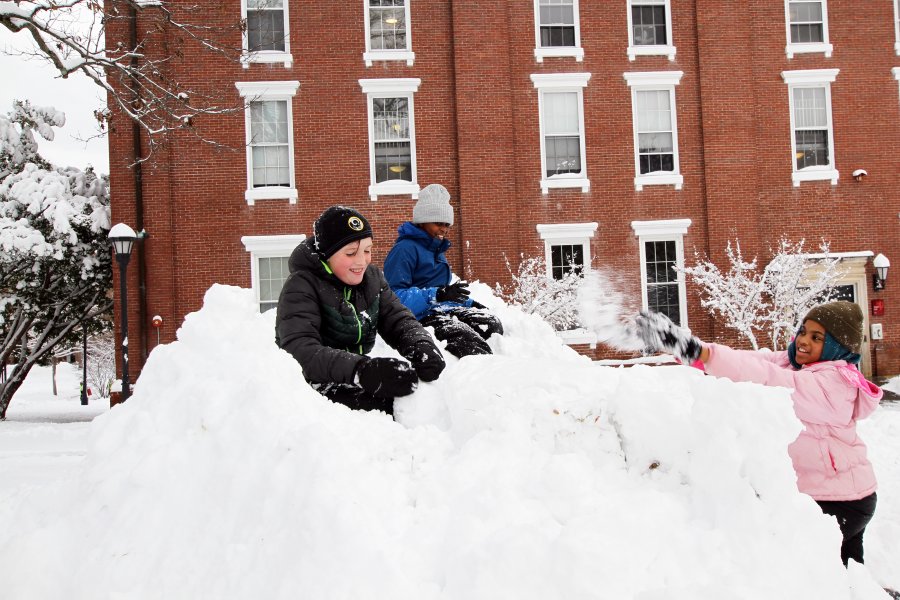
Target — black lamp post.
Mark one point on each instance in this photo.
(122, 238)
(84, 391)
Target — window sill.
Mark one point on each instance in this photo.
(374, 55)
(394, 188)
(635, 51)
(815, 174)
(578, 336)
(559, 182)
(559, 52)
(792, 49)
(665, 179)
(267, 57)
(270, 193)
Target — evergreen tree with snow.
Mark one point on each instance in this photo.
(55, 264)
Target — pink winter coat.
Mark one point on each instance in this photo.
(829, 397)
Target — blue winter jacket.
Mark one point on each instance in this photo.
(415, 267)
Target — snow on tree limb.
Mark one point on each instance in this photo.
(140, 82)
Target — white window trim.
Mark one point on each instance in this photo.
(267, 246)
(821, 47)
(896, 73)
(562, 82)
(370, 56)
(667, 50)
(664, 231)
(540, 53)
(391, 88)
(897, 27)
(649, 81)
(267, 56)
(261, 91)
(812, 78)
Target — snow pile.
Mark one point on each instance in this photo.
(533, 473)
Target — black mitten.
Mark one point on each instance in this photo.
(660, 334)
(427, 360)
(456, 292)
(386, 377)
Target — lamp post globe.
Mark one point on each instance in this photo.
(122, 238)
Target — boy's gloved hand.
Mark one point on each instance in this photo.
(386, 377)
(660, 334)
(427, 360)
(455, 292)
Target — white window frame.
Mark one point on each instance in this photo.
(391, 88)
(812, 78)
(570, 234)
(267, 56)
(664, 231)
(267, 246)
(824, 46)
(261, 91)
(540, 53)
(896, 73)
(656, 50)
(655, 81)
(548, 83)
(897, 27)
(370, 55)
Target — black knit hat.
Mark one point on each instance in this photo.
(337, 227)
(843, 320)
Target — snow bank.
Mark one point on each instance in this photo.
(533, 473)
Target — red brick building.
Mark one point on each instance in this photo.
(617, 133)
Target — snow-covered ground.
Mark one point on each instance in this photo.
(532, 473)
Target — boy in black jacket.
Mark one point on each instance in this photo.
(331, 307)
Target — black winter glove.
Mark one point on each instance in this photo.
(427, 360)
(455, 292)
(386, 377)
(660, 334)
(478, 305)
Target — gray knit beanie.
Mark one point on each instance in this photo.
(433, 205)
(843, 320)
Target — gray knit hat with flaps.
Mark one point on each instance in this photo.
(433, 205)
(843, 320)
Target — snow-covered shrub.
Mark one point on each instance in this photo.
(532, 290)
(101, 363)
(769, 302)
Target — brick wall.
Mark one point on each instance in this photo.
(477, 132)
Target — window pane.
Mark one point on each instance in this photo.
(268, 122)
(807, 24)
(812, 148)
(654, 110)
(563, 154)
(393, 161)
(557, 36)
(662, 279)
(649, 25)
(561, 113)
(270, 166)
(387, 26)
(810, 109)
(391, 118)
(265, 29)
(566, 258)
(272, 275)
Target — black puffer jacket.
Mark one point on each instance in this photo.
(327, 325)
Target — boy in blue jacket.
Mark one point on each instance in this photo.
(417, 270)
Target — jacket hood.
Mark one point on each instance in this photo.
(410, 231)
(868, 394)
(305, 258)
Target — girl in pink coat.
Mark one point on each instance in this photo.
(830, 395)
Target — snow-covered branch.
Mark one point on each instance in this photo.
(554, 300)
(142, 82)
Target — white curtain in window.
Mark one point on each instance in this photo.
(269, 141)
(810, 111)
(561, 113)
